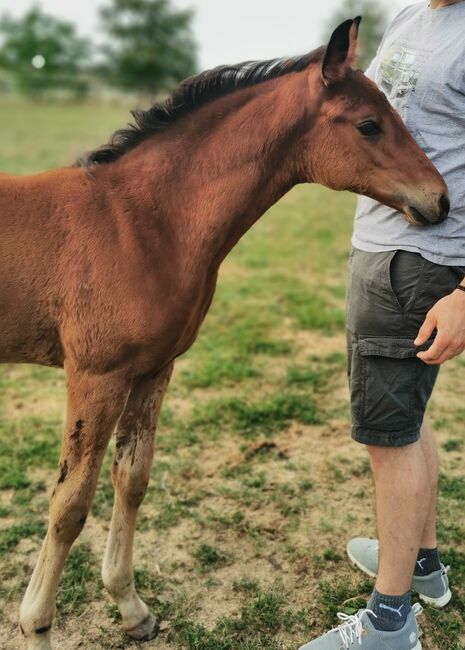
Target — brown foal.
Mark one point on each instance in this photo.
(109, 268)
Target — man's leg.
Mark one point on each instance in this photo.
(430, 577)
(406, 480)
(403, 499)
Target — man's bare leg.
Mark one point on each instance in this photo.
(403, 499)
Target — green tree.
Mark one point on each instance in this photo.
(42, 52)
(375, 19)
(150, 45)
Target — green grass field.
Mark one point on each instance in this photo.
(257, 486)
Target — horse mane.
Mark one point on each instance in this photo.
(192, 94)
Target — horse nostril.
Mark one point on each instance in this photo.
(444, 204)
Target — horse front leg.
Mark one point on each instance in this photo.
(131, 473)
(94, 405)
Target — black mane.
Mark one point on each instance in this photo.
(192, 94)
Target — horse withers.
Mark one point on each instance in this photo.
(108, 268)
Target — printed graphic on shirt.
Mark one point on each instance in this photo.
(397, 73)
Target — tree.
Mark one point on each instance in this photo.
(150, 46)
(375, 19)
(42, 52)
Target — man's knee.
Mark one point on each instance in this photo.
(383, 456)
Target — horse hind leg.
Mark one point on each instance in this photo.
(130, 473)
(94, 406)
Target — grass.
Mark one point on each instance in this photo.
(27, 528)
(255, 418)
(209, 558)
(256, 626)
(79, 584)
(256, 485)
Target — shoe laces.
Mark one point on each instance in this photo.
(417, 609)
(351, 628)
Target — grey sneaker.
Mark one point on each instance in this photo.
(357, 630)
(433, 589)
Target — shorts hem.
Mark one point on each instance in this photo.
(385, 438)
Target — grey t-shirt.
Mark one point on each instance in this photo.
(420, 66)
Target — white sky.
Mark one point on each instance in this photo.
(227, 31)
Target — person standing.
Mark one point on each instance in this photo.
(405, 317)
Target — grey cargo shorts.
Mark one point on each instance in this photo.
(389, 295)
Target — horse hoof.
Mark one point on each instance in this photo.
(145, 631)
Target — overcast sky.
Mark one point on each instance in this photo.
(227, 31)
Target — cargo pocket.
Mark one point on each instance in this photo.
(389, 368)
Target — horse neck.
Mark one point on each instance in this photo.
(216, 172)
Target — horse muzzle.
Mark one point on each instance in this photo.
(428, 213)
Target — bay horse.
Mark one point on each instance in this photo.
(108, 268)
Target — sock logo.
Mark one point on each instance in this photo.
(413, 637)
(420, 563)
(392, 609)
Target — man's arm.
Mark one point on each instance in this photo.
(448, 318)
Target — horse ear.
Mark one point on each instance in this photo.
(341, 52)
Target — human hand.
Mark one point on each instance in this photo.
(448, 318)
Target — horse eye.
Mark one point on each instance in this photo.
(369, 128)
